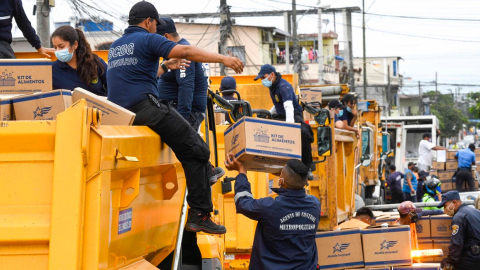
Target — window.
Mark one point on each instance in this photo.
(237, 51)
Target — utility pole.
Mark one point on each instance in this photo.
(388, 92)
(286, 18)
(347, 30)
(321, 79)
(420, 99)
(296, 48)
(365, 57)
(225, 31)
(43, 22)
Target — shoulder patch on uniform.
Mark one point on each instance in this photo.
(455, 229)
(277, 99)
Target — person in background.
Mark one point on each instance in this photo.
(132, 83)
(228, 83)
(394, 182)
(77, 65)
(422, 176)
(185, 88)
(363, 218)
(336, 109)
(286, 108)
(409, 215)
(466, 158)
(311, 55)
(285, 233)
(410, 185)
(415, 172)
(350, 114)
(464, 248)
(13, 9)
(425, 155)
(430, 191)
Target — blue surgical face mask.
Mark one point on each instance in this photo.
(340, 114)
(266, 82)
(64, 55)
(349, 109)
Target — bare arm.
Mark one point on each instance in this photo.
(439, 148)
(348, 127)
(173, 64)
(197, 54)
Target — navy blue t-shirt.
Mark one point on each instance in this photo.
(394, 181)
(65, 77)
(187, 88)
(133, 65)
(348, 116)
(282, 91)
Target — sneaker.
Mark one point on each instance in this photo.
(202, 222)
(217, 173)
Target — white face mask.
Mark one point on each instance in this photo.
(450, 210)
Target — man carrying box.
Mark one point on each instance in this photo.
(425, 156)
(285, 234)
(132, 84)
(363, 218)
(286, 108)
(464, 249)
(466, 158)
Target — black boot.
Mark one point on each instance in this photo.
(198, 221)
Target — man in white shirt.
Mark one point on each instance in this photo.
(425, 155)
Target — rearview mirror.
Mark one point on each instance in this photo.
(367, 146)
(324, 140)
(385, 142)
(323, 117)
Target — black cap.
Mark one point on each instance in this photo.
(228, 83)
(265, 69)
(411, 163)
(143, 10)
(449, 196)
(335, 103)
(169, 27)
(427, 135)
(422, 174)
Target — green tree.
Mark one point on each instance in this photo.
(451, 119)
(476, 109)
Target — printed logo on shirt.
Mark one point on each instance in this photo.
(125, 49)
(298, 227)
(455, 229)
(182, 73)
(94, 81)
(277, 99)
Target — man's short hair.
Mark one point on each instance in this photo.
(349, 98)
(297, 173)
(427, 135)
(138, 21)
(393, 167)
(471, 146)
(365, 211)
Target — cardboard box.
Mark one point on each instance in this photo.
(41, 106)
(477, 158)
(340, 249)
(451, 154)
(451, 165)
(423, 228)
(219, 119)
(424, 266)
(263, 145)
(372, 268)
(6, 108)
(311, 94)
(477, 151)
(25, 76)
(446, 175)
(425, 244)
(387, 246)
(441, 227)
(439, 166)
(443, 245)
(389, 220)
(112, 114)
(448, 186)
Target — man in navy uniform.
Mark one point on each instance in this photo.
(185, 88)
(285, 234)
(132, 83)
(286, 108)
(464, 249)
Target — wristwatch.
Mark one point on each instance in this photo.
(448, 267)
(164, 67)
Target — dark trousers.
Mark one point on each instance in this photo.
(420, 191)
(187, 145)
(462, 176)
(397, 196)
(6, 51)
(410, 197)
(307, 137)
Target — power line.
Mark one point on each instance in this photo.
(424, 18)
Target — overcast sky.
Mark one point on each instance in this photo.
(449, 47)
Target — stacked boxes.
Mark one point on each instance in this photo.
(446, 170)
(387, 246)
(441, 230)
(340, 249)
(41, 106)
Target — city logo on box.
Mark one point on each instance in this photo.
(261, 135)
(41, 112)
(419, 228)
(444, 228)
(6, 79)
(340, 247)
(235, 139)
(387, 244)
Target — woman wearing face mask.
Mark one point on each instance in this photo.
(336, 109)
(349, 116)
(77, 65)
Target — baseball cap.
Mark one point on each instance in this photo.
(449, 196)
(143, 10)
(411, 163)
(169, 27)
(265, 69)
(228, 83)
(422, 174)
(408, 207)
(335, 103)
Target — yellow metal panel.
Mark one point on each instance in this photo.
(32, 55)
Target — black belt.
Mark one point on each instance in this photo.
(465, 168)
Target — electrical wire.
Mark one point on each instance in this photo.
(423, 18)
